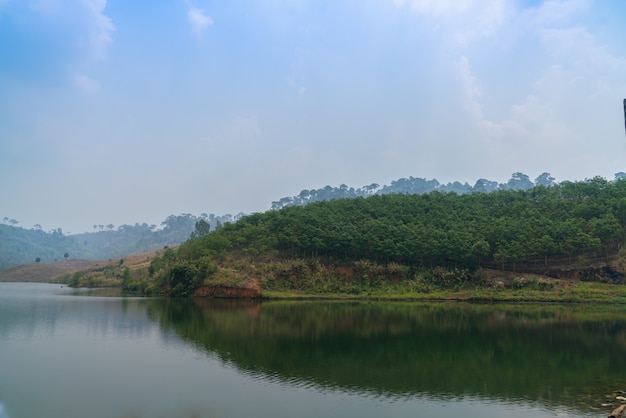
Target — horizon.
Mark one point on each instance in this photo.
(114, 113)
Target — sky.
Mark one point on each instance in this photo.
(117, 112)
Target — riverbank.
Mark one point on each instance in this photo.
(562, 292)
(306, 280)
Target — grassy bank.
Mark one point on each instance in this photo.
(312, 279)
(569, 292)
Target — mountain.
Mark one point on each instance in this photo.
(22, 246)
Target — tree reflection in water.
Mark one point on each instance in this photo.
(570, 356)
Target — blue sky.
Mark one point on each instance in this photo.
(120, 112)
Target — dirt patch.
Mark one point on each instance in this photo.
(345, 271)
(251, 290)
(44, 272)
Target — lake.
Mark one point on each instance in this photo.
(78, 353)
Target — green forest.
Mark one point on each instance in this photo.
(443, 238)
(19, 245)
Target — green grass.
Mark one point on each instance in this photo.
(569, 292)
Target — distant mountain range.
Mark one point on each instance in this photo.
(20, 246)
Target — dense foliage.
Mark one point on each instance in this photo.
(507, 229)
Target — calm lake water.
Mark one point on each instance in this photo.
(67, 353)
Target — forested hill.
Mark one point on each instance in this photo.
(570, 224)
(21, 246)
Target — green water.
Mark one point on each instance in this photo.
(81, 354)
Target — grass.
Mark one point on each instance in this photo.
(44, 272)
(306, 279)
(562, 292)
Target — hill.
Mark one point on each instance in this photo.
(87, 273)
(43, 272)
(21, 246)
(112, 272)
(399, 243)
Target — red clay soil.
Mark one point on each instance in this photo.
(251, 290)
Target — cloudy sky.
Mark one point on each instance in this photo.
(116, 111)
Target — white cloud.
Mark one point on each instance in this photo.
(198, 20)
(471, 90)
(461, 21)
(577, 46)
(86, 83)
(531, 125)
(93, 28)
(575, 65)
(100, 28)
(553, 11)
(437, 7)
(299, 89)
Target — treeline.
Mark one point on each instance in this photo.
(566, 222)
(417, 185)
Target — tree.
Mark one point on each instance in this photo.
(182, 280)
(456, 187)
(480, 250)
(485, 186)
(519, 181)
(66, 255)
(545, 179)
(38, 260)
(202, 229)
(127, 279)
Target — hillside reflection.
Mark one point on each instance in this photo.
(565, 356)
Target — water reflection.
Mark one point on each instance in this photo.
(212, 358)
(565, 356)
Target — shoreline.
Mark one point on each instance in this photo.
(578, 293)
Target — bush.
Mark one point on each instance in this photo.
(182, 280)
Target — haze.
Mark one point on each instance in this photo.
(117, 112)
